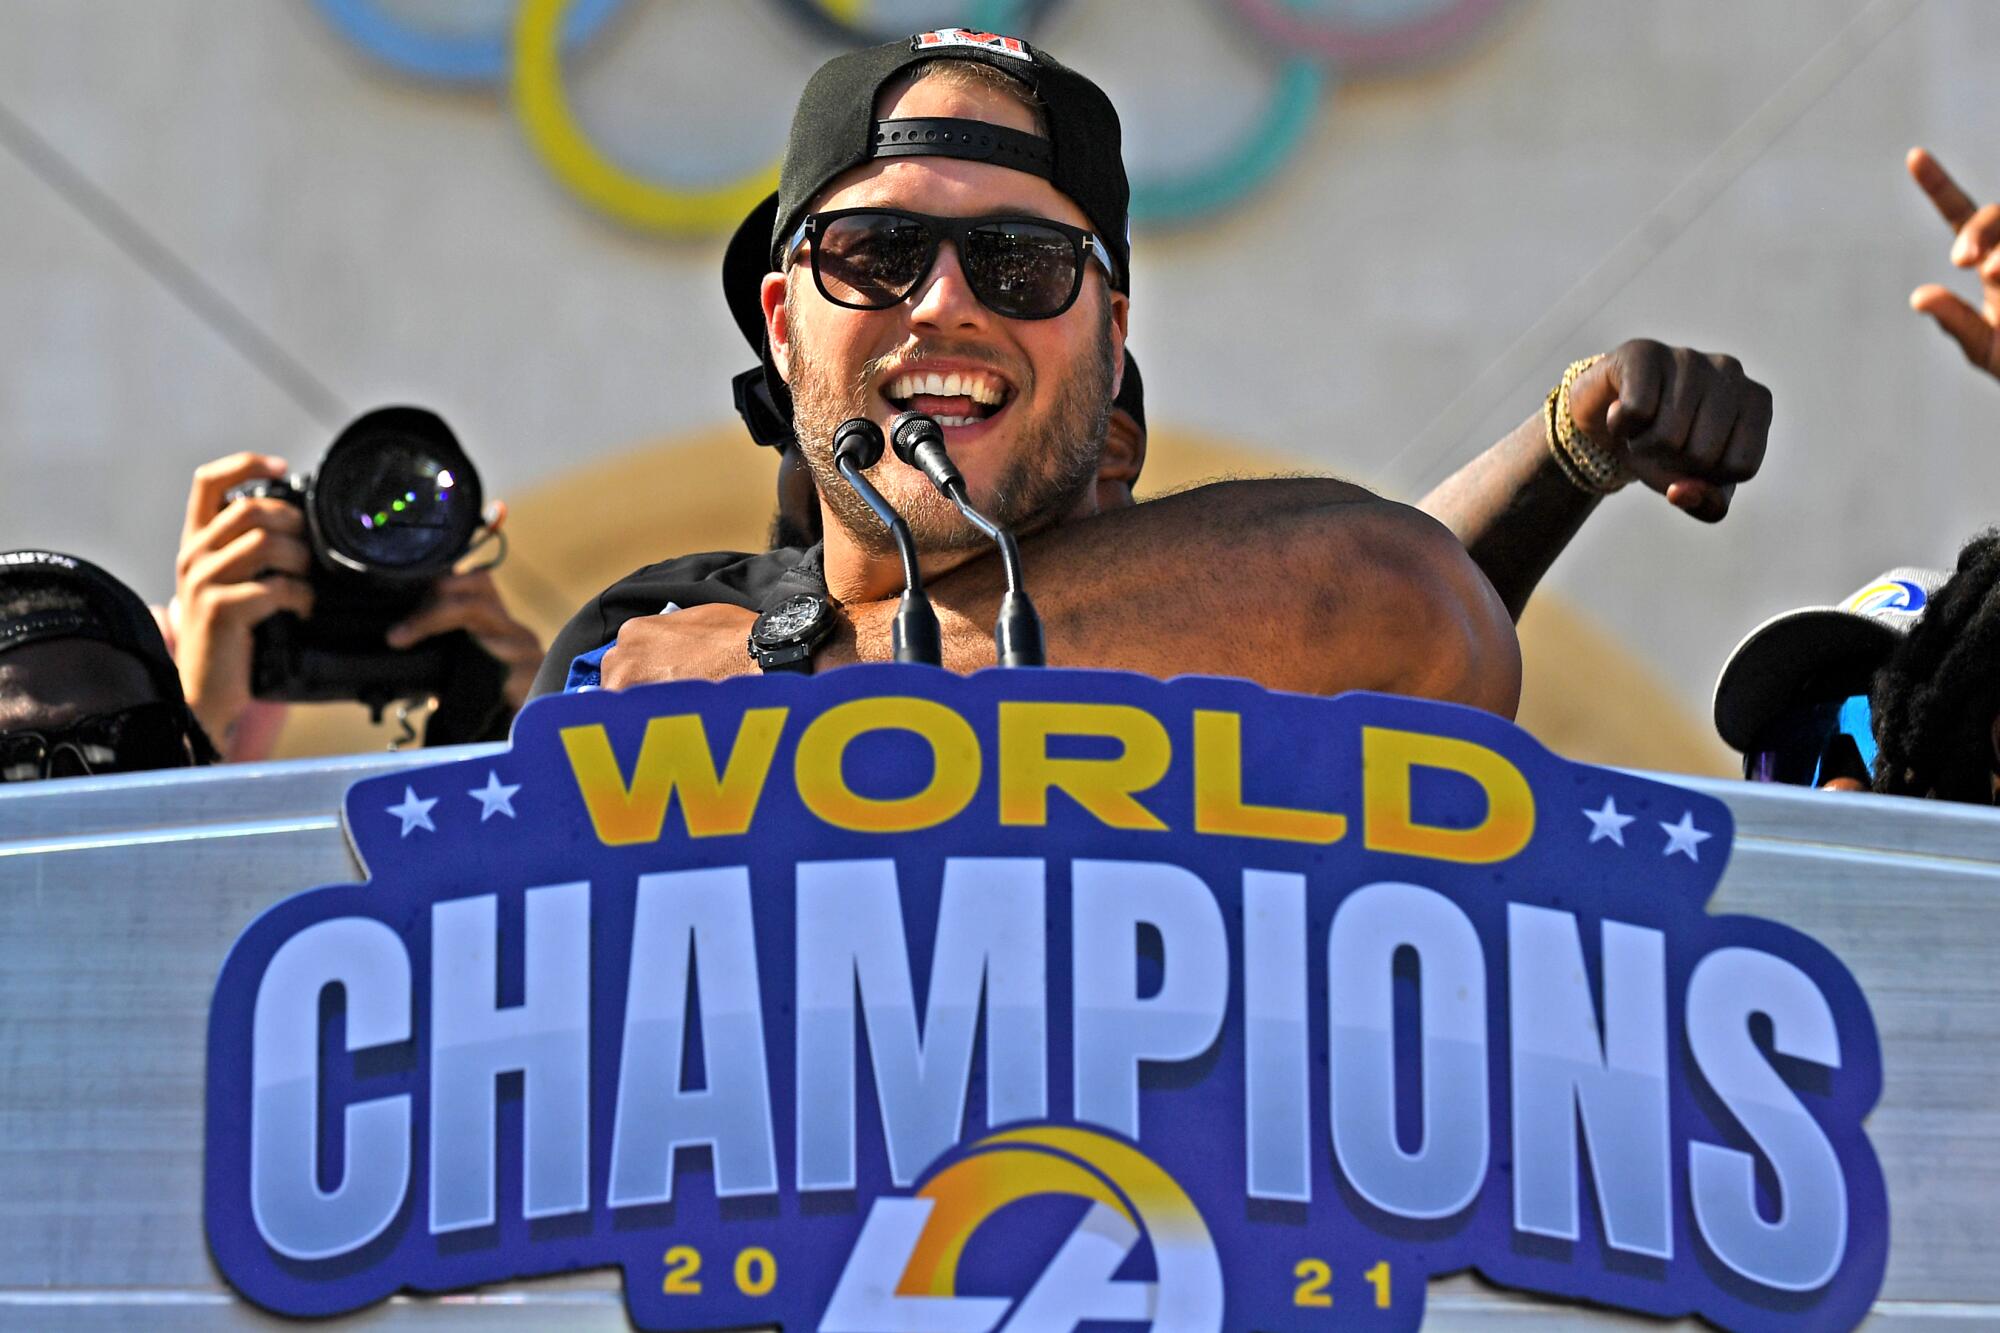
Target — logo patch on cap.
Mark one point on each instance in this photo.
(1893, 595)
(986, 41)
(37, 558)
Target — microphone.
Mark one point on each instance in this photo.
(857, 444)
(1017, 634)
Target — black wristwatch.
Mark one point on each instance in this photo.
(786, 636)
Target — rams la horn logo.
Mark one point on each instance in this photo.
(1894, 595)
(903, 1272)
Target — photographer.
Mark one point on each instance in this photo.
(246, 559)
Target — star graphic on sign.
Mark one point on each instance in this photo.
(495, 797)
(1684, 837)
(1606, 822)
(413, 812)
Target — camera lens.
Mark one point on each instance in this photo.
(394, 499)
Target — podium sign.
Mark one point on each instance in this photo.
(1038, 1000)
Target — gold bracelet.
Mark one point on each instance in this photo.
(1592, 467)
(1549, 437)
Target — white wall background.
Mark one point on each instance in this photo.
(1711, 171)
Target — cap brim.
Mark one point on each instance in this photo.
(1765, 671)
(744, 265)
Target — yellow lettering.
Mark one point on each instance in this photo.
(1218, 791)
(1387, 757)
(954, 765)
(1104, 787)
(674, 756)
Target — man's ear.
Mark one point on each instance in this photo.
(1121, 310)
(777, 324)
(1124, 443)
(1118, 467)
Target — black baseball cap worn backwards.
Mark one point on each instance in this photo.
(104, 609)
(835, 128)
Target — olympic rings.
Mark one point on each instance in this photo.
(463, 58)
(561, 142)
(1360, 42)
(1320, 40)
(1185, 196)
(846, 21)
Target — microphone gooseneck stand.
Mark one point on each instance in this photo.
(857, 444)
(1017, 634)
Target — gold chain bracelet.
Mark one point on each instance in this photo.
(1589, 466)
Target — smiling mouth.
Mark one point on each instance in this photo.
(956, 398)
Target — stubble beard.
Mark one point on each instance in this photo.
(1053, 464)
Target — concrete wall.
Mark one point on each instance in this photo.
(223, 227)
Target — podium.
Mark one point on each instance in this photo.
(1030, 996)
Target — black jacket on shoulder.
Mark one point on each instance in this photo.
(754, 581)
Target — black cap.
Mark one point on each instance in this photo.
(1828, 647)
(744, 265)
(110, 613)
(763, 400)
(835, 128)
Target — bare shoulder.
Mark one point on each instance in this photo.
(1435, 626)
(1300, 583)
(1379, 594)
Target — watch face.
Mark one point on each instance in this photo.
(789, 619)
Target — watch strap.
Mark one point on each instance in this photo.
(786, 657)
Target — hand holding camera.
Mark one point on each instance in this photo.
(470, 601)
(338, 585)
(241, 561)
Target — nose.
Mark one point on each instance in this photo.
(944, 299)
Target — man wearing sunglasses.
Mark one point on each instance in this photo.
(86, 685)
(846, 234)
(857, 234)
(950, 237)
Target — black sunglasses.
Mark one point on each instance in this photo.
(1019, 267)
(132, 740)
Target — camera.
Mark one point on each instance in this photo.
(392, 506)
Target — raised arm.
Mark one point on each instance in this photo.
(1687, 424)
(1301, 584)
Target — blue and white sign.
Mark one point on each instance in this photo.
(1039, 1000)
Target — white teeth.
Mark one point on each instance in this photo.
(980, 388)
(958, 421)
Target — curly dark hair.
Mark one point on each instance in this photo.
(1935, 699)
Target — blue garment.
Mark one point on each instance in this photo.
(586, 670)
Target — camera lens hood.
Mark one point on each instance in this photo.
(395, 496)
